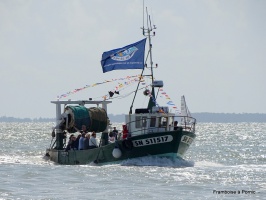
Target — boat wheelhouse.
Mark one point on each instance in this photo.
(159, 120)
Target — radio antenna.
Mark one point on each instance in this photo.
(143, 19)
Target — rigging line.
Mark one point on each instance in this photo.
(148, 53)
(97, 158)
(51, 142)
(130, 111)
(126, 95)
(118, 90)
(127, 85)
(121, 90)
(89, 86)
(124, 88)
(133, 81)
(157, 93)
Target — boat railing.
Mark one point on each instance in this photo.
(146, 125)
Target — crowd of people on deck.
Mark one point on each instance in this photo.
(83, 141)
(86, 140)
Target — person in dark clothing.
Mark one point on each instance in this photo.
(115, 133)
(70, 139)
(76, 143)
(87, 141)
(84, 129)
(71, 143)
(175, 125)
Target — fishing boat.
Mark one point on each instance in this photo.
(151, 131)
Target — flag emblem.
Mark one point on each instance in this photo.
(128, 57)
(124, 55)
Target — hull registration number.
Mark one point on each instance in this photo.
(186, 139)
(153, 140)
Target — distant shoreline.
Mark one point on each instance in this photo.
(201, 117)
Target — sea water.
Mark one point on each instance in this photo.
(226, 161)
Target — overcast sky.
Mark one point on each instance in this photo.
(211, 51)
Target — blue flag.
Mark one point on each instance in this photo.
(128, 57)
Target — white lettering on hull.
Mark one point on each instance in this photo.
(186, 139)
(153, 140)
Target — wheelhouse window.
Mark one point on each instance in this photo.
(163, 121)
(141, 121)
(153, 121)
(171, 121)
(144, 121)
(138, 122)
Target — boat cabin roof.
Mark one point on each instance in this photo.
(80, 102)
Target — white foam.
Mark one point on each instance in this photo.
(158, 161)
(207, 164)
(35, 160)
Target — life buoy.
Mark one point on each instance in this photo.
(127, 144)
(116, 152)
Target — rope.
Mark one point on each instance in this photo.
(51, 142)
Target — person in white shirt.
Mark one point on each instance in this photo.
(93, 143)
(81, 141)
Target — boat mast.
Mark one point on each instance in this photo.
(147, 32)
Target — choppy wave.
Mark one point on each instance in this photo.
(208, 164)
(158, 161)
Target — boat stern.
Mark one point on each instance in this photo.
(52, 154)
